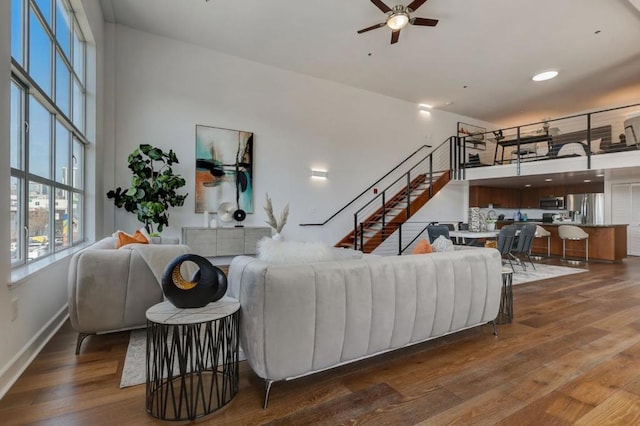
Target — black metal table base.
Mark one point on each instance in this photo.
(192, 369)
(505, 314)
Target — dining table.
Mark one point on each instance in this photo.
(470, 238)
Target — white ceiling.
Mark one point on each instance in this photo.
(491, 46)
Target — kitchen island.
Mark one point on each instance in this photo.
(606, 242)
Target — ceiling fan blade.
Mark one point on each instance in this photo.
(415, 4)
(424, 21)
(383, 7)
(395, 35)
(373, 27)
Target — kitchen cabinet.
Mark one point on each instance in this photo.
(530, 198)
(519, 198)
(482, 196)
(625, 208)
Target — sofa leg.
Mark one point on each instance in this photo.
(81, 337)
(495, 329)
(267, 389)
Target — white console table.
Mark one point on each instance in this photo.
(211, 242)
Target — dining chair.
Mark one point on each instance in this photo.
(506, 238)
(523, 246)
(434, 231)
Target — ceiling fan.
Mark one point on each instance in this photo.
(399, 17)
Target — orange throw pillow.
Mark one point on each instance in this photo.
(423, 247)
(124, 238)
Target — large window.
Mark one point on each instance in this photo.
(47, 135)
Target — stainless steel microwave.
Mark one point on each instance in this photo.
(553, 203)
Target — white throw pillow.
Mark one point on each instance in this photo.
(442, 244)
(573, 148)
(287, 252)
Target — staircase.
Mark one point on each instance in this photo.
(421, 176)
(378, 226)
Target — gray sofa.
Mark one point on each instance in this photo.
(301, 319)
(110, 289)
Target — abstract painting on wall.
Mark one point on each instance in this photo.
(224, 168)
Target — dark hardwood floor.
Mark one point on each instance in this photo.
(572, 356)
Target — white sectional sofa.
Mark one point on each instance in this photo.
(301, 319)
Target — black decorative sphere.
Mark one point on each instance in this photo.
(207, 285)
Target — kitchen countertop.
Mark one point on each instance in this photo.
(582, 225)
(511, 222)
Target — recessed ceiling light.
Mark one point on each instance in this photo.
(600, 175)
(547, 75)
(587, 180)
(548, 180)
(528, 185)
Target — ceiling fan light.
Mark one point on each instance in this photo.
(398, 21)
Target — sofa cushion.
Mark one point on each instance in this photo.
(136, 238)
(423, 247)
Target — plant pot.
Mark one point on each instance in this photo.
(491, 226)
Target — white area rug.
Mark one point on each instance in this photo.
(135, 362)
(542, 272)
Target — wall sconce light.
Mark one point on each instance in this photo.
(425, 107)
(319, 174)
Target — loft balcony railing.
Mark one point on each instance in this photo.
(583, 135)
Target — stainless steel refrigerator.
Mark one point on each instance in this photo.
(587, 209)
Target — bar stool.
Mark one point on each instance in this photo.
(571, 232)
(541, 233)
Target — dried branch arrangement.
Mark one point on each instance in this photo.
(272, 221)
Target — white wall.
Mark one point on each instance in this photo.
(163, 88)
(42, 296)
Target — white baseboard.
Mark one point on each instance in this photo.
(14, 368)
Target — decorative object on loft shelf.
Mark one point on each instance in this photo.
(153, 187)
(273, 222)
(208, 284)
(474, 136)
(224, 168)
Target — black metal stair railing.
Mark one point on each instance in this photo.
(423, 167)
(422, 148)
(377, 219)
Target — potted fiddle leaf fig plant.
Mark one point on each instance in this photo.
(153, 188)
